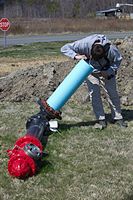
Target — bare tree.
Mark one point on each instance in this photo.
(55, 8)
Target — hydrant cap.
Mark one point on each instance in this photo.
(19, 168)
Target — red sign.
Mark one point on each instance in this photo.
(4, 24)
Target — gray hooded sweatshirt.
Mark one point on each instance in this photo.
(83, 47)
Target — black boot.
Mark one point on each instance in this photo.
(101, 124)
(121, 123)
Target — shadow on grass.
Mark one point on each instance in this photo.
(44, 166)
(64, 126)
(128, 197)
(127, 115)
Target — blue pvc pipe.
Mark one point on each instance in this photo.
(70, 84)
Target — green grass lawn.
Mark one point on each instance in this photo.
(35, 50)
(83, 163)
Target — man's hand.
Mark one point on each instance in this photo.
(96, 74)
(79, 57)
(99, 74)
(104, 74)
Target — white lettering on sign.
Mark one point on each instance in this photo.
(4, 24)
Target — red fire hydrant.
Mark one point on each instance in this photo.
(27, 154)
(23, 157)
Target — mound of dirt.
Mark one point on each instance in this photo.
(25, 84)
(41, 81)
(125, 73)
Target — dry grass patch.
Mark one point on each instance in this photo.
(8, 65)
(60, 25)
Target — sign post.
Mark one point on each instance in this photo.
(4, 26)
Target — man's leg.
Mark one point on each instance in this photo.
(110, 89)
(95, 96)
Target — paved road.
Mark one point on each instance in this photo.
(20, 40)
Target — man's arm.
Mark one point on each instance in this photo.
(79, 49)
(115, 59)
(69, 50)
